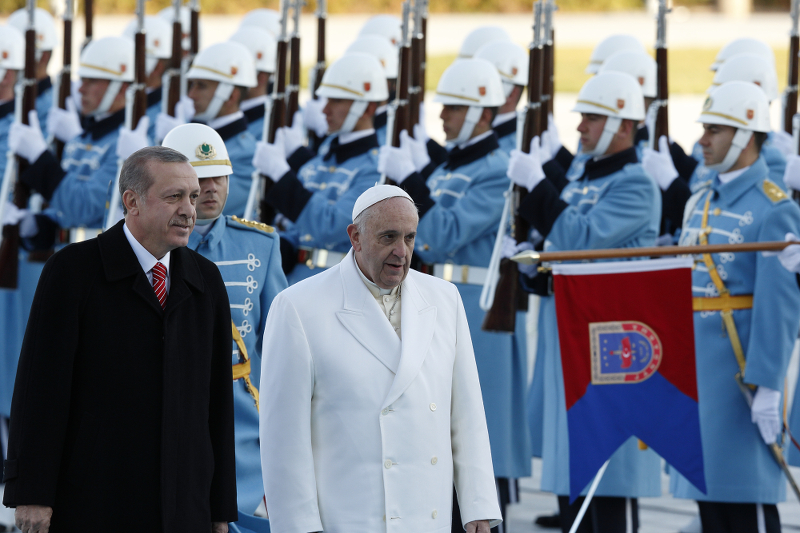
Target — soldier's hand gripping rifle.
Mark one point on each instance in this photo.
(135, 109)
(315, 76)
(397, 114)
(25, 103)
(293, 89)
(509, 297)
(659, 106)
(171, 81)
(416, 67)
(63, 86)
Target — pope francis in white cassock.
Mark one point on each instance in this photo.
(370, 405)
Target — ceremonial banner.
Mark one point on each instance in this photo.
(627, 353)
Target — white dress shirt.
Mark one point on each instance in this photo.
(146, 259)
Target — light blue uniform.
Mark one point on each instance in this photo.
(380, 122)
(507, 135)
(774, 159)
(331, 188)
(44, 101)
(255, 120)
(241, 146)
(738, 465)
(250, 264)
(461, 228)
(617, 210)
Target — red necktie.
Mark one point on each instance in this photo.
(160, 283)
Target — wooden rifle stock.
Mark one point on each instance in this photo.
(662, 118)
(9, 250)
(194, 38)
(293, 89)
(139, 80)
(791, 86)
(423, 65)
(174, 69)
(415, 68)
(319, 68)
(277, 119)
(65, 83)
(401, 119)
(88, 17)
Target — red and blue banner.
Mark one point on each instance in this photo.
(627, 353)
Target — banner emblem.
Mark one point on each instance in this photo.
(623, 352)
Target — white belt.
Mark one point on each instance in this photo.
(466, 274)
(83, 234)
(321, 258)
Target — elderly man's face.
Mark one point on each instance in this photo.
(383, 251)
(166, 216)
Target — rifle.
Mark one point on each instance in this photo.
(194, 43)
(415, 71)
(509, 296)
(318, 70)
(790, 94)
(171, 82)
(63, 80)
(293, 89)
(662, 93)
(423, 65)
(275, 109)
(547, 63)
(25, 103)
(135, 109)
(88, 17)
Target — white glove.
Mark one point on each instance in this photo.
(659, 164)
(765, 413)
(511, 248)
(524, 169)
(26, 220)
(26, 140)
(12, 214)
(551, 144)
(130, 141)
(789, 256)
(269, 159)
(783, 142)
(294, 137)
(64, 124)
(417, 147)
(184, 112)
(313, 117)
(791, 176)
(396, 163)
(419, 129)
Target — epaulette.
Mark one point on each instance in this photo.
(253, 224)
(774, 192)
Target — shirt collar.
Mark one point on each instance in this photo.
(376, 291)
(504, 117)
(219, 122)
(476, 139)
(727, 177)
(731, 191)
(146, 259)
(345, 138)
(253, 102)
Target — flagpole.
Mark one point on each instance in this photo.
(531, 257)
(588, 499)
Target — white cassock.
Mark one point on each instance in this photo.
(362, 432)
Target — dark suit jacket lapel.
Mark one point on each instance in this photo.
(183, 273)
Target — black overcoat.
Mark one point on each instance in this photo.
(122, 415)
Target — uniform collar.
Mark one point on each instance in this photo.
(6, 108)
(506, 128)
(458, 157)
(100, 128)
(343, 152)
(43, 84)
(234, 127)
(154, 97)
(600, 168)
(212, 238)
(254, 113)
(379, 121)
(731, 191)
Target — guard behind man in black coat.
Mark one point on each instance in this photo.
(122, 414)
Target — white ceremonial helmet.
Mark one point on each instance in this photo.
(168, 14)
(479, 37)
(108, 58)
(229, 63)
(157, 39)
(262, 46)
(267, 19)
(510, 60)
(379, 47)
(46, 35)
(615, 95)
(743, 45)
(358, 77)
(12, 50)
(387, 26)
(474, 83)
(739, 104)
(748, 67)
(609, 45)
(640, 65)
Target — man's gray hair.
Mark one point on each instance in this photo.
(134, 175)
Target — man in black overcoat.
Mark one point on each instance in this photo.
(122, 414)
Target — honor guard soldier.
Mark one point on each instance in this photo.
(511, 63)
(77, 189)
(219, 79)
(385, 52)
(746, 310)
(460, 203)
(158, 51)
(248, 257)
(46, 41)
(580, 215)
(316, 194)
(263, 47)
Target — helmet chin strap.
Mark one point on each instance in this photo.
(740, 140)
(609, 130)
(470, 120)
(108, 98)
(357, 109)
(221, 95)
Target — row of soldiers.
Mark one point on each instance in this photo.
(617, 191)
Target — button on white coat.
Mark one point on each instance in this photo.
(385, 412)
(434, 514)
(434, 460)
(433, 407)
(387, 463)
